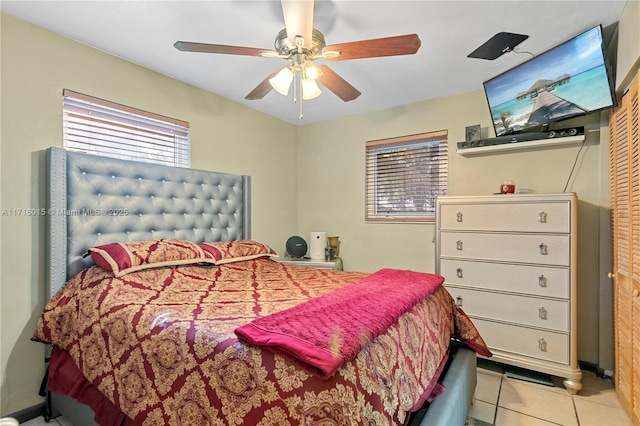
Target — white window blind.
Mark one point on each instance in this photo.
(404, 176)
(96, 126)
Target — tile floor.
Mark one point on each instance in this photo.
(504, 401)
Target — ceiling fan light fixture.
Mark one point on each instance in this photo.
(310, 89)
(310, 71)
(282, 81)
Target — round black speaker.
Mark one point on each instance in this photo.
(296, 246)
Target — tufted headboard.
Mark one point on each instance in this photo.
(94, 200)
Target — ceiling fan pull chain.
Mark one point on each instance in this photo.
(300, 96)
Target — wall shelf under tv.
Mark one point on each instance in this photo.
(524, 145)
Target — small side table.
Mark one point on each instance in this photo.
(314, 263)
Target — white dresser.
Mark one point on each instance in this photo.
(510, 262)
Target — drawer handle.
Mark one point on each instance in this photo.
(542, 344)
(543, 217)
(542, 281)
(543, 249)
(459, 245)
(459, 272)
(459, 217)
(542, 313)
(459, 301)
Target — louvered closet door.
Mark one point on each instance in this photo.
(619, 179)
(624, 173)
(634, 133)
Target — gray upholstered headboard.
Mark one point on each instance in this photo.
(94, 200)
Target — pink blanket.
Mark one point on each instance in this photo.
(322, 334)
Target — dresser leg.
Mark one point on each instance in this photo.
(573, 385)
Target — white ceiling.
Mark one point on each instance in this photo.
(143, 32)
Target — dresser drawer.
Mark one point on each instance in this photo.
(517, 217)
(526, 279)
(531, 311)
(545, 345)
(525, 248)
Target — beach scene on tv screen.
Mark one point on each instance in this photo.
(566, 81)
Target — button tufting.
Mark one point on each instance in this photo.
(99, 234)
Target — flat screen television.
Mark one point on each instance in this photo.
(571, 79)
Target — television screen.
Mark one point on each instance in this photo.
(566, 81)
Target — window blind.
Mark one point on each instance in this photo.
(97, 126)
(404, 176)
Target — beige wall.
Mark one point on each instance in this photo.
(36, 66)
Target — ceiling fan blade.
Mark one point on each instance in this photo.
(298, 19)
(187, 46)
(338, 85)
(263, 88)
(373, 48)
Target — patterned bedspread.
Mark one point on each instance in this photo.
(160, 345)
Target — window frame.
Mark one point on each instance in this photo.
(432, 144)
(97, 126)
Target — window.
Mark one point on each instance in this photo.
(404, 176)
(96, 126)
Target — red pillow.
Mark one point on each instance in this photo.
(131, 256)
(236, 250)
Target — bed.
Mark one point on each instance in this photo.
(177, 317)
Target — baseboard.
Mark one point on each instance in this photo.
(28, 413)
(599, 371)
(588, 366)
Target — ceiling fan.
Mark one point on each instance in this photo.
(301, 44)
